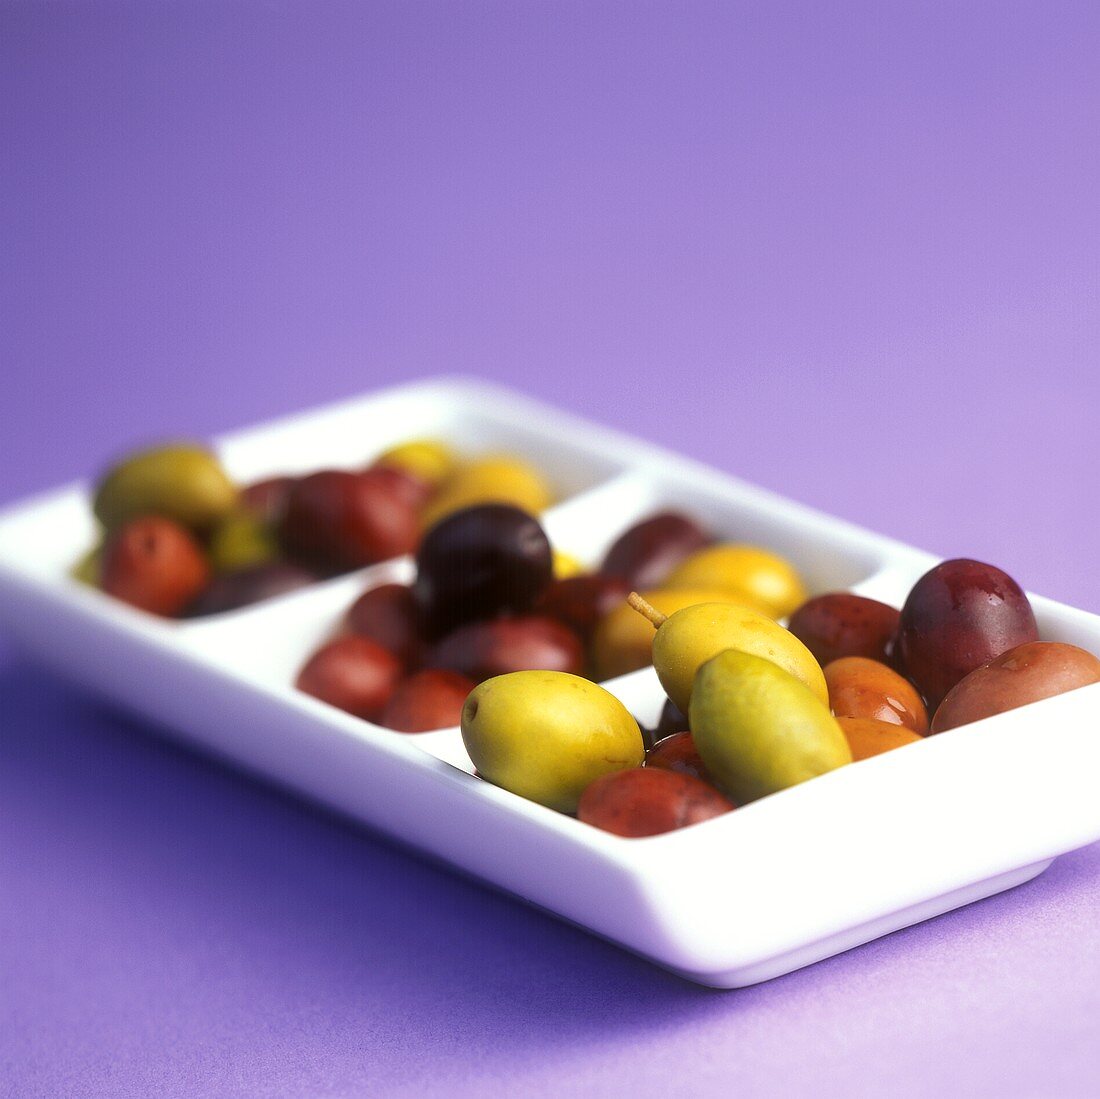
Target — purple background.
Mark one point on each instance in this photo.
(850, 256)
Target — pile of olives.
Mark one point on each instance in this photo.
(754, 708)
(508, 638)
(492, 597)
(180, 539)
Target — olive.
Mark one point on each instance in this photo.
(154, 564)
(427, 700)
(760, 729)
(678, 753)
(689, 638)
(430, 460)
(389, 615)
(757, 577)
(581, 601)
(867, 737)
(481, 562)
(546, 735)
(623, 640)
(353, 674)
(859, 687)
(647, 802)
(672, 720)
(241, 588)
(840, 624)
(266, 499)
(496, 478)
(241, 540)
(481, 650)
(647, 552)
(335, 521)
(566, 566)
(959, 615)
(414, 489)
(1027, 673)
(182, 482)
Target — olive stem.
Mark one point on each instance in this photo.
(647, 610)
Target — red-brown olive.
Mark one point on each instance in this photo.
(959, 615)
(154, 564)
(353, 674)
(335, 521)
(414, 489)
(581, 601)
(648, 801)
(266, 499)
(840, 624)
(481, 650)
(428, 700)
(678, 753)
(647, 552)
(389, 615)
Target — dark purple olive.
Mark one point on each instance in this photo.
(388, 614)
(959, 615)
(241, 588)
(478, 563)
(672, 720)
(645, 802)
(335, 520)
(646, 553)
(581, 601)
(841, 624)
(481, 650)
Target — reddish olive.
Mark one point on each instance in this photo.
(428, 700)
(959, 615)
(648, 801)
(678, 753)
(353, 674)
(647, 552)
(266, 499)
(840, 624)
(154, 564)
(581, 601)
(389, 615)
(335, 520)
(481, 650)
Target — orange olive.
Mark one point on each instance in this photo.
(861, 687)
(867, 737)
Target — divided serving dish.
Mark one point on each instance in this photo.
(780, 883)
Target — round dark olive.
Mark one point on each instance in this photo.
(479, 563)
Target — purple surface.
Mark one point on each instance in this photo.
(852, 257)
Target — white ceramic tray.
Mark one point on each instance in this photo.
(783, 882)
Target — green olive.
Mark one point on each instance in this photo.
(182, 482)
(547, 735)
(240, 541)
(759, 729)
